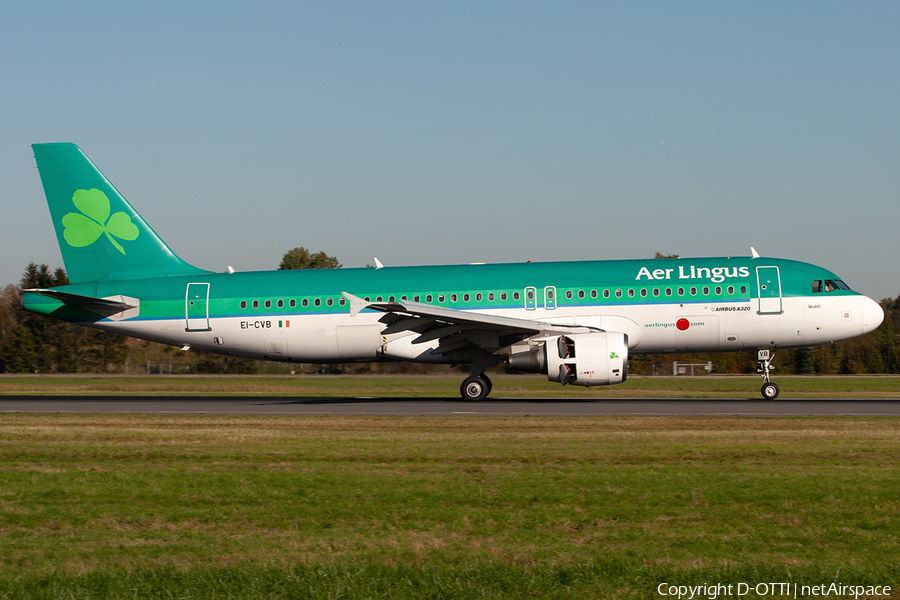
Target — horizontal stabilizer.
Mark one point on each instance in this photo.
(116, 307)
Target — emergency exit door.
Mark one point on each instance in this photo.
(196, 307)
(769, 287)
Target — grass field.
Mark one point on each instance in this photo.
(109, 507)
(505, 386)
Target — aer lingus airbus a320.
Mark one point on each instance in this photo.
(576, 322)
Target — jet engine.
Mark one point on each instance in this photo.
(596, 358)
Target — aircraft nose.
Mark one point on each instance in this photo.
(873, 315)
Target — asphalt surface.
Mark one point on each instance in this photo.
(280, 405)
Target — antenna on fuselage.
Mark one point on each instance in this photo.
(753, 252)
(378, 264)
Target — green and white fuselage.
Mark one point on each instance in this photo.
(575, 321)
(303, 316)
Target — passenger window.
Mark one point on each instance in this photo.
(643, 292)
(530, 295)
(256, 304)
(404, 298)
(515, 295)
(568, 294)
(293, 302)
(743, 289)
(693, 291)
(580, 294)
(416, 298)
(503, 295)
(317, 302)
(452, 297)
(341, 301)
(817, 286)
(428, 298)
(377, 299)
(718, 289)
(491, 297)
(681, 291)
(606, 293)
(631, 293)
(366, 299)
(593, 293)
(668, 291)
(706, 291)
(243, 304)
(618, 293)
(656, 291)
(305, 302)
(268, 304)
(440, 297)
(465, 297)
(280, 304)
(391, 299)
(329, 301)
(730, 290)
(478, 297)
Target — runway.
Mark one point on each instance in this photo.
(498, 407)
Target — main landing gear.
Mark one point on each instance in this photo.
(769, 390)
(476, 388)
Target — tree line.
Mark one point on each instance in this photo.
(31, 343)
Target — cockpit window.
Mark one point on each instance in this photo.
(817, 286)
(830, 286)
(842, 285)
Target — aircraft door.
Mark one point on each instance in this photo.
(550, 297)
(196, 307)
(769, 288)
(530, 298)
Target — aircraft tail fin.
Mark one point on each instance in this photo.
(101, 237)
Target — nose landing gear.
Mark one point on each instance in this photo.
(765, 357)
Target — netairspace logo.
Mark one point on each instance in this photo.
(773, 590)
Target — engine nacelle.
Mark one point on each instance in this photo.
(596, 358)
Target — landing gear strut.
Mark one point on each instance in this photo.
(769, 390)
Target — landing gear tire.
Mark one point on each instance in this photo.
(475, 388)
(489, 383)
(770, 390)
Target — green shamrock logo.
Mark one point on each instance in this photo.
(85, 229)
(613, 355)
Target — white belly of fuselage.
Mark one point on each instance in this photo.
(669, 328)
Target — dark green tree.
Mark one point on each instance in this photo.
(33, 343)
(300, 258)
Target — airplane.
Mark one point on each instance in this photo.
(575, 322)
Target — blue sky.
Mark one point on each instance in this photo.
(423, 133)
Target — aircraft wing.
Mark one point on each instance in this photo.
(456, 329)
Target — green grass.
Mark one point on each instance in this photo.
(505, 386)
(358, 507)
